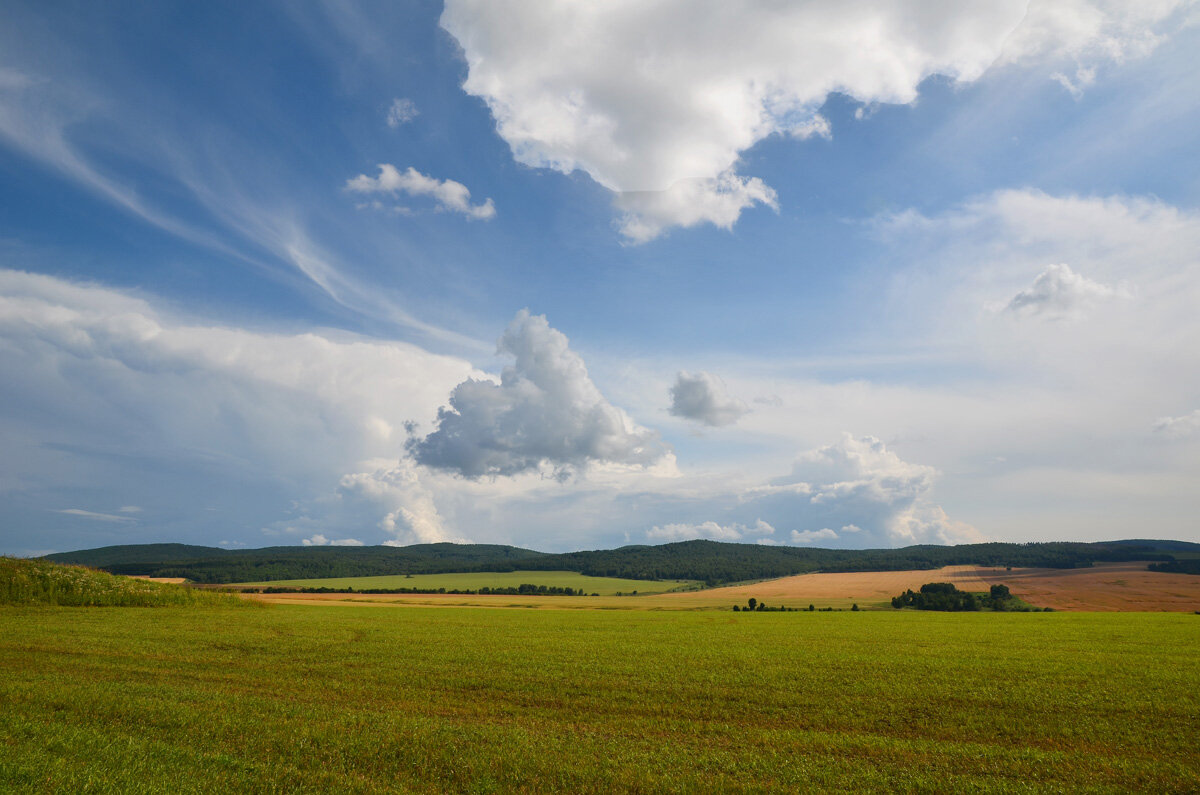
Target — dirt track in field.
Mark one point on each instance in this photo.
(1126, 587)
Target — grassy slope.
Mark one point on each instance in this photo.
(605, 586)
(367, 700)
(40, 582)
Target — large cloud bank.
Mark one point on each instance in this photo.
(109, 401)
(545, 412)
(657, 101)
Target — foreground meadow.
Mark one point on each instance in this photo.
(359, 699)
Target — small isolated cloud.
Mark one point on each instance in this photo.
(711, 530)
(1084, 77)
(401, 112)
(96, 517)
(1179, 427)
(319, 540)
(812, 536)
(129, 509)
(544, 412)
(1059, 293)
(450, 196)
(702, 397)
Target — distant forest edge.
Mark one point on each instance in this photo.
(711, 562)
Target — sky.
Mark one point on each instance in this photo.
(572, 275)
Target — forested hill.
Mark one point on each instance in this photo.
(215, 565)
(709, 561)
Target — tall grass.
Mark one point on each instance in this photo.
(40, 582)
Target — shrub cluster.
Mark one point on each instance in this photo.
(944, 596)
(1185, 566)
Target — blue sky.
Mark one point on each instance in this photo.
(865, 275)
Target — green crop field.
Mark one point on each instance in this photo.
(473, 581)
(314, 699)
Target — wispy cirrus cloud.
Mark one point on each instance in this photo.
(401, 112)
(95, 516)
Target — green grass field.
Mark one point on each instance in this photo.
(315, 699)
(605, 586)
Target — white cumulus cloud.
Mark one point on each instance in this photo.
(449, 195)
(1059, 293)
(677, 531)
(860, 485)
(657, 101)
(319, 540)
(702, 397)
(812, 536)
(411, 513)
(544, 412)
(1179, 427)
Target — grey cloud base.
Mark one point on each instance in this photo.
(702, 397)
(545, 412)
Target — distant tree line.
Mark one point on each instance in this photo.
(524, 589)
(1185, 566)
(711, 562)
(755, 606)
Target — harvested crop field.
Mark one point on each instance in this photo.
(863, 587)
(1121, 587)
(1125, 587)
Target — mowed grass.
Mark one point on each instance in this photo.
(312, 699)
(473, 581)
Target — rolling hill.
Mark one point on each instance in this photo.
(711, 562)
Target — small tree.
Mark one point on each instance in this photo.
(854, 608)
(752, 602)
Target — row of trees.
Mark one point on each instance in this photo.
(525, 589)
(755, 606)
